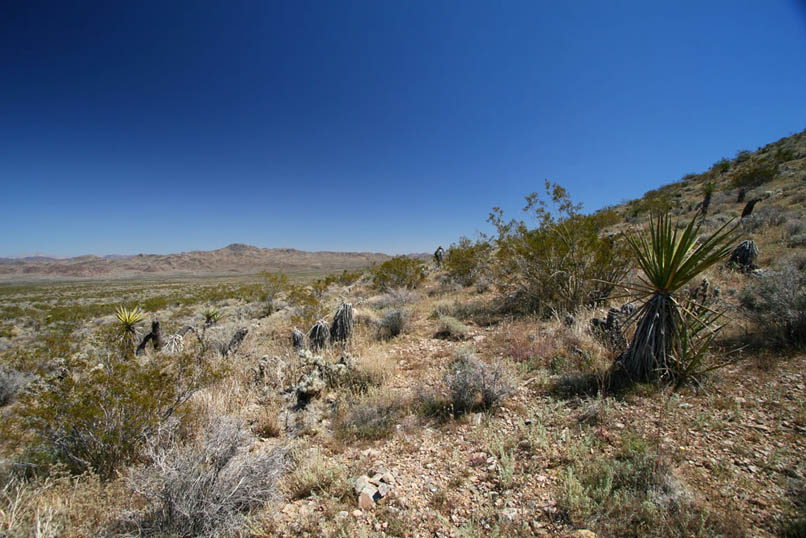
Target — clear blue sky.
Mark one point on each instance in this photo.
(381, 125)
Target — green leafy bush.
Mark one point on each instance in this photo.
(96, 417)
(399, 272)
(561, 265)
(754, 175)
(467, 260)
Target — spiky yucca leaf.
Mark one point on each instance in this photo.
(671, 337)
(129, 318)
(212, 315)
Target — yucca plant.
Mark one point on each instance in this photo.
(128, 319)
(212, 315)
(672, 335)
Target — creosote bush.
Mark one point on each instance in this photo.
(467, 261)
(563, 264)
(96, 416)
(399, 272)
(755, 175)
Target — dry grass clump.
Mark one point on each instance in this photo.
(370, 417)
(207, 487)
(315, 474)
(395, 298)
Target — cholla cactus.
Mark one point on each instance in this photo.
(342, 328)
(319, 335)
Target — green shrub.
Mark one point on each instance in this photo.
(777, 303)
(466, 260)
(273, 284)
(96, 417)
(399, 272)
(754, 175)
(561, 265)
(307, 301)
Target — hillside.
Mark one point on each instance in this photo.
(233, 259)
(485, 396)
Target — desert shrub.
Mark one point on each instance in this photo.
(561, 265)
(206, 487)
(742, 156)
(273, 284)
(399, 272)
(396, 298)
(393, 323)
(776, 301)
(308, 304)
(466, 260)
(754, 175)
(452, 329)
(634, 494)
(370, 417)
(96, 414)
(472, 385)
(345, 278)
(721, 166)
(797, 240)
(11, 383)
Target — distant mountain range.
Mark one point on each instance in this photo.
(233, 259)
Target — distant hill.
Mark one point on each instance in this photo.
(233, 259)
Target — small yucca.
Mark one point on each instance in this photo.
(129, 318)
(212, 315)
(672, 335)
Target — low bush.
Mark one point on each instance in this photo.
(206, 487)
(776, 302)
(634, 494)
(451, 328)
(473, 385)
(399, 272)
(11, 383)
(393, 323)
(314, 474)
(96, 414)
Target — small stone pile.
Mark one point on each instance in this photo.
(371, 489)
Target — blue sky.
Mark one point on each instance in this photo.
(382, 125)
